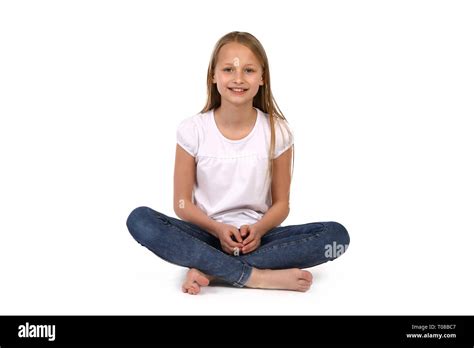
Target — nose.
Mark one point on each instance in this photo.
(238, 76)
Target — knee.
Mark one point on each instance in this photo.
(339, 237)
(340, 233)
(137, 222)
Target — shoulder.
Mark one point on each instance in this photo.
(193, 120)
(282, 127)
(278, 121)
(195, 124)
(190, 132)
(284, 135)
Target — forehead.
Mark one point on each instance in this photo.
(232, 50)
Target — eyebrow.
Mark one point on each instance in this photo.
(243, 65)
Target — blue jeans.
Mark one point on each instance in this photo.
(185, 244)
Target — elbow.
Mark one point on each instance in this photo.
(287, 209)
(176, 209)
(179, 208)
(179, 212)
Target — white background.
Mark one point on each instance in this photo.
(379, 95)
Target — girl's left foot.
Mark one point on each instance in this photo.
(194, 280)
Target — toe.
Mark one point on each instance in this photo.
(303, 282)
(304, 287)
(201, 280)
(186, 287)
(195, 288)
(307, 276)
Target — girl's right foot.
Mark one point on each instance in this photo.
(194, 280)
(283, 279)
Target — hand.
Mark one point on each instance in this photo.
(252, 236)
(229, 237)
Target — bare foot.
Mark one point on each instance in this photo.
(284, 279)
(194, 280)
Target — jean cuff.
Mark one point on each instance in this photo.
(244, 277)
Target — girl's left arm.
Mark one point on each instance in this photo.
(281, 181)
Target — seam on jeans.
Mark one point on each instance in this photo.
(264, 250)
(285, 229)
(210, 246)
(191, 236)
(197, 239)
(170, 222)
(284, 244)
(239, 282)
(186, 234)
(191, 228)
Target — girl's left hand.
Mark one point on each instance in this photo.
(251, 236)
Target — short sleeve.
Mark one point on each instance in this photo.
(284, 137)
(187, 136)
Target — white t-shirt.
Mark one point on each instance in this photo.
(231, 185)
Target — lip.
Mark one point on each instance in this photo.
(238, 93)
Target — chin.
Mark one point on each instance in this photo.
(238, 102)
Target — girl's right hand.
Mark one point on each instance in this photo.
(230, 238)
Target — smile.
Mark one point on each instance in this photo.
(238, 90)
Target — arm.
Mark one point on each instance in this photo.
(280, 208)
(281, 181)
(184, 208)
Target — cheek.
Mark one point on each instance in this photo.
(222, 80)
(221, 86)
(256, 81)
(256, 86)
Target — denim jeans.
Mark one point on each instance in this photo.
(185, 244)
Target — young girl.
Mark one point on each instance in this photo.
(232, 186)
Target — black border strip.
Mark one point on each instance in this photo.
(239, 330)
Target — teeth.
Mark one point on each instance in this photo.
(238, 89)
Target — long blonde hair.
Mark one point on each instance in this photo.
(263, 100)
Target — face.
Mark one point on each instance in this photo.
(238, 74)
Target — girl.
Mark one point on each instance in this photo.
(232, 186)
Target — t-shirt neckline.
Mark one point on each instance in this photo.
(238, 140)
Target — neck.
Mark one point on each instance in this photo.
(235, 116)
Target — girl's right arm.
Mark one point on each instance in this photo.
(185, 209)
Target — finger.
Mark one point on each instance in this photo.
(237, 235)
(231, 244)
(248, 250)
(250, 238)
(249, 247)
(226, 249)
(244, 230)
(229, 248)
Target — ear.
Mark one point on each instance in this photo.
(213, 78)
(261, 83)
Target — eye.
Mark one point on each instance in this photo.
(250, 70)
(227, 69)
